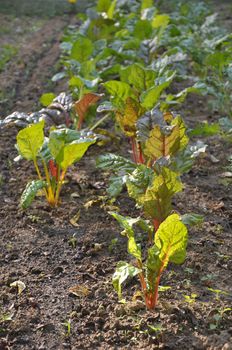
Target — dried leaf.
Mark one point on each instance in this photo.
(73, 221)
(19, 285)
(79, 290)
(83, 105)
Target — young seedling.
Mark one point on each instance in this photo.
(54, 155)
(169, 246)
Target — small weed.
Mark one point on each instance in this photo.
(67, 325)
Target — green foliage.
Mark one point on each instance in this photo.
(205, 130)
(67, 147)
(192, 219)
(30, 140)
(169, 245)
(157, 201)
(63, 148)
(46, 99)
(82, 49)
(30, 192)
(122, 272)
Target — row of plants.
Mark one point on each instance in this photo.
(123, 62)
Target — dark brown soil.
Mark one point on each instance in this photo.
(41, 248)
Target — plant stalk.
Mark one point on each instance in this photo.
(100, 121)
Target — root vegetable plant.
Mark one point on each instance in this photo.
(169, 245)
(54, 155)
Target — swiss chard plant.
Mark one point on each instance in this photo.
(51, 157)
(169, 245)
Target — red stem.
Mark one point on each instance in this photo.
(134, 149)
(156, 224)
(141, 158)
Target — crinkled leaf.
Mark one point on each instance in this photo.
(114, 162)
(171, 238)
(116, 184)
(162, 143)
(59, 138)
(127, 120)
(192, 219)
(157, 201)
(138, 182)
(82, 49)
(103, 5)
(139, 77)
(120, 166)
(30, 140)
(184, 160)
(118, 90)
(30, 192)
(143, 29)
(183, 138)
(110, 12)
(122, 272)
(147, 122)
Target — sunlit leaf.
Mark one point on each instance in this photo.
(160, 21)
(171, 238)
(30, 140)
(122, 272)
(46, 99)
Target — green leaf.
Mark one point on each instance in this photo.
(74, 151)
(120, 166)
(82, 49)
(192, 219)
(127, 120)
(138, 182)
(30, 140)
(76, 82)
(171, 238)
(157, 201)
(110, 12)
(30, 192)
(205, 130)
(143, 29)
(162, 143)
(146, 4)
(160, 21)
(137, 76)
(150, 97)
(103, 5)
(111, 161)
(58, 76)
(46, 99)
(118, 90)
(122, 272)
(59, 138)
(127, 224)
(116, 184)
